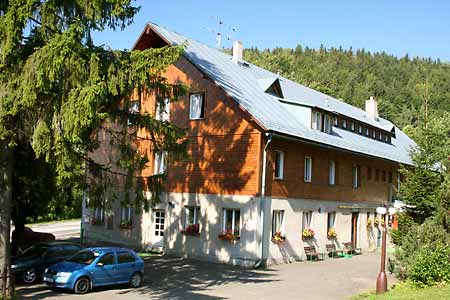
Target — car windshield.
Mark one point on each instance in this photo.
(85, 257)
(33, 251)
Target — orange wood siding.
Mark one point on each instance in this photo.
(293, 185)
(224, 147)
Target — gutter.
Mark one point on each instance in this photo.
(261, 261)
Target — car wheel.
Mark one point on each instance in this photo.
(30, 276)
(82, 285)
(136, 280)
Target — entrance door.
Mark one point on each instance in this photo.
(158, 221)
(355, 217)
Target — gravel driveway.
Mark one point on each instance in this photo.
(176, 278)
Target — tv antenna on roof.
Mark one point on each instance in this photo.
(220, 30)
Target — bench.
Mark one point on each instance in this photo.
(351, 249)
(311, 252)
(331, 249)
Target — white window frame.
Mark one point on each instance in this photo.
(332, 172)
(279, 165)
(99, 210)
(307, 220)
(160, 162)
(126, 212)
(355, 176)
(331, 220)
(278, 222)
(307, 169)
(327, 124)
(163, 114)
(316, 120)
(196, 106)
(233, 220)
(196, 215)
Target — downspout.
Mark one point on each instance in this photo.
(262, 202)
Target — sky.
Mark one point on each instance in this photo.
(398, 27)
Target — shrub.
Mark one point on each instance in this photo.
(431, 266)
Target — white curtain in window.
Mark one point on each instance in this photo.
(160, 162)
(331, 220)
(196, 103)
(163, 111)
(277, 222)
(308, 169)
(307, 216)
(332, 172)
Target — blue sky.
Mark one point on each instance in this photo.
(419, 28)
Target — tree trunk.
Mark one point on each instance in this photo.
(6, 167)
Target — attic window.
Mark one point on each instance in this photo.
(275, 89)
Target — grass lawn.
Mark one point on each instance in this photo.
(405, 291)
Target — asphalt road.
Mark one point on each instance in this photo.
(62, 230)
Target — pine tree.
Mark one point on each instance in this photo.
(58, 88)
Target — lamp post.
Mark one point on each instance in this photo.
(382, 278)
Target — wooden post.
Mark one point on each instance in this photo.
(382, 279)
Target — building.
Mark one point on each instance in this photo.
(267, 157)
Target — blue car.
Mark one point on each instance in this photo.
(93, 267)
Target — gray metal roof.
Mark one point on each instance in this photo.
(246, 84)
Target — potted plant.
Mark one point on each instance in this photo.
(228, 235)
(126, 224)
(308, 233)
(332, 234)
(369, 223)
(278, 238)
(95, 221)
(192, 230)
(376, 222)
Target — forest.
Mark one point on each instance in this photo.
(354, 76)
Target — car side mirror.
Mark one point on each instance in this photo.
(100, 264)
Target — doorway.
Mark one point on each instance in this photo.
(159, 217)
(354, 233)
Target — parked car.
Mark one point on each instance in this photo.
(30, 265)
(93, 267)
(22, 239)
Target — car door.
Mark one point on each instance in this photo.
(126, 263)
(104, 270)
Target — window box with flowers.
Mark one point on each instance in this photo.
(228, 235)
(126, 224)
(278, 238)
(332, 233)
(192, 230)
(308, 233)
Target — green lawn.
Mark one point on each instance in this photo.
(405, 291)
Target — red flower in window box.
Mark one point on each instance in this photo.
(228, 236)
(278, 238)
(95, 221)
(193, 230)
(126, 224)
(308, 233)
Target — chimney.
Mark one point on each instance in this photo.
(238, 50)
(372, 108)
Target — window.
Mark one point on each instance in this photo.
(369, 173)
(279, 164)
(307, 220)
(98, 214)
(377, 175)
(383, 175)
(160, 162)
(344, 123)
(134, 107)
(352, 126)
(374, 134)
(355, 177)
(327, 124)
(360, 129)
(386, 138)
(307, 173)
(336, 121)
(232, 221)
(197, 106)
(163, 110)
(331, 172)
(192, 215)
(380, 136)
(107, 259)
(316, 120)
(126, 213)
(125, 257)
(278, 222)
(331, 220)
(367, 131)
